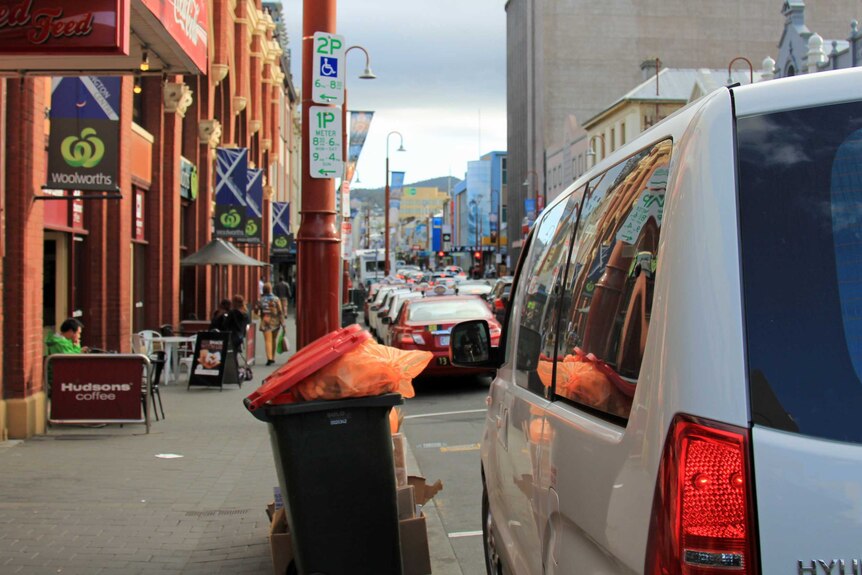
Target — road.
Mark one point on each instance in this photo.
(443, 425)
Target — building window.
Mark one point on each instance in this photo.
(504, 172)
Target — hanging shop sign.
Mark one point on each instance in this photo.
(186, 22)
(188, 179)
(253, 208)
(281, 240)
(63, 27)
(85, 134)
(231, 182)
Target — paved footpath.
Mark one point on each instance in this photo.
(100, 501)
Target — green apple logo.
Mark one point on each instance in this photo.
(84, 151)
(250, 228)
(231, 219)
(281, 242)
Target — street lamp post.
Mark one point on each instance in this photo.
(386, 269)
(367, 74)
(318, 310)
(750, 69)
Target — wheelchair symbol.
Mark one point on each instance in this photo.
(329, 67)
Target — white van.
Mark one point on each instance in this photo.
(680, 382)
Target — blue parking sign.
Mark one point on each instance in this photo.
(329, 67)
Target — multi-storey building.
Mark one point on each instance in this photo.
(570, 58)
(182, 80)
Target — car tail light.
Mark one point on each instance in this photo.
(703, 511)
(495, 330)
(412, 338)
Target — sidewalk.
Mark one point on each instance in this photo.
(101, 501)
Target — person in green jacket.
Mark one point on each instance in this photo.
(67, 341)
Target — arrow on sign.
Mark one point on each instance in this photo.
(323, 172)
(325, 97)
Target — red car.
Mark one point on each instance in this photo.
(425, 324)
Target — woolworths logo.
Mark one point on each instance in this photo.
(84, 151)
(231, 219)
(281, 242)
(250, 228)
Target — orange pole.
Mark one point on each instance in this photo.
(318, 302)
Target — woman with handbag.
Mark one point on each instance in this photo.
(271, 320)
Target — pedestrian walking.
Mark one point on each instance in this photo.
(283, 292)
(272, 320)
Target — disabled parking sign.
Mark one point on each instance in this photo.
(327, 68)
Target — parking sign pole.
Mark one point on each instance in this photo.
(319, 251)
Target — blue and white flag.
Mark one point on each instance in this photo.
(254, 207)
(230, 192)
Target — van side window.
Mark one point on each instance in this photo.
(539, 293)
(609, 288)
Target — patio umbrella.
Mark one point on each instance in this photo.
(220, 253)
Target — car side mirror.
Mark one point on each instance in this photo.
(470, 345)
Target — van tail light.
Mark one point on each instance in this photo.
(703, 512)
(498, 304)
(495, 330)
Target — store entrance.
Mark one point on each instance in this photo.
(55, 282)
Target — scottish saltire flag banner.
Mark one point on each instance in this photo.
(280, 228)
(359, 124)
(254, 207)
(84, 141)
(230, 191)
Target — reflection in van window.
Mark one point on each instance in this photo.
(539, 291)
(608, 294)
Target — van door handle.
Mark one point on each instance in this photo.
(503, 429)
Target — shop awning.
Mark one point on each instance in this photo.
(104, 37)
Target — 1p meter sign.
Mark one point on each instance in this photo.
(324, 131)
(328, 69)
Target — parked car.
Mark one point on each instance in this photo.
(398, 300)
(425, 323)
(375, 301)
(681, 370)
(378, 312)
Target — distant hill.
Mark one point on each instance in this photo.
(375, 196)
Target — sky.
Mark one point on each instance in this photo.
(441, 81)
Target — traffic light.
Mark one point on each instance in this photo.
(478, 255)
(441, 254)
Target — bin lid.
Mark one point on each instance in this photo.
(312, 357)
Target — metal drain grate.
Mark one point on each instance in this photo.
(217, 513)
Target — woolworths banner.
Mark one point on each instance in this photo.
(231, 183)
(85, 134)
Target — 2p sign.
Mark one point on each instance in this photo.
(324, 131)
(328, 69)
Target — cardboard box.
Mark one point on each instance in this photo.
(415, 555)
(280, 546)
(406, 503)
(399, 459)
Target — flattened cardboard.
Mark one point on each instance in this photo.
(422, 492)
(399, 460)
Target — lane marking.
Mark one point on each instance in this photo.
(417, 416)
(458, 534)
(454, 448)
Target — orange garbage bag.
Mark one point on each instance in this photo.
(370, 369)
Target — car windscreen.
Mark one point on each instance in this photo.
(448, 310)
(800, 205)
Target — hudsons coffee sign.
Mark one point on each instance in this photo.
(63, 26)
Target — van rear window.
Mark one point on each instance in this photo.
(800, 204)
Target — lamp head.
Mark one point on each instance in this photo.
(401, 148)
(526, 182)
(367, 74)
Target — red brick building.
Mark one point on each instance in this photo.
(115, 263)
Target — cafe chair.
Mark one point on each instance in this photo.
(158, 361)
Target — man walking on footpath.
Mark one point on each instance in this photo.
(282, 292)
